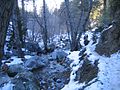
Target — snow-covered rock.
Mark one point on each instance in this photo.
(58, 55)
(35, 62)
(15, 69)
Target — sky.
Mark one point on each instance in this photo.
(52, 4)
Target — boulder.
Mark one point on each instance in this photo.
(8, 55)
(87, 72)
(35, 62)
(25, 81)
(54, 76)
(51, 47)
(32, 47)
(4, 78)
(15, 69)
(109, 42)
(58, 55)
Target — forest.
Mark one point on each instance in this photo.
(59, 44)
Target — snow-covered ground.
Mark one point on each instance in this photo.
(109, 69)
(72, 85)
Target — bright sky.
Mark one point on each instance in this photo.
(52, 4)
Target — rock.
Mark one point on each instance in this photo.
(8, 55)
(15, 69)
(94, 38)
(25, 81)
(58, 55)
(54, 76)
(86, 41)
(58, 81)
(82, 51)
(109, 42)
(33, 47)
(51, 47)
(87, 72)
(99, 29)
(4, 67)
(4, 78)
(61, 55)
(35, 62)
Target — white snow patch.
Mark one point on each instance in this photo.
(27, 56)
(75, 65)
(109, 75)
(107, 28)
(16, 60)
(7, 86)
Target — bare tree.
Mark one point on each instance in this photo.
(24, 22)
(45, 37)
(6, 7)
(16, 20)
(84, 16)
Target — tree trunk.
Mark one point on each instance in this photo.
(24, 24)
(6, 7)
(45, 36)
(16, 20)
(72, 30)
(84, 16)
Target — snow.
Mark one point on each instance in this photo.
(16, 60)
(109, 69)
(75, 65)
(109, 74)
(27, 56)
(7, 86)
(107, 28)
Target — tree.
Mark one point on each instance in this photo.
(24, 23)
(82, 22)
(17, 27)
(5, 14)
(45, 36)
